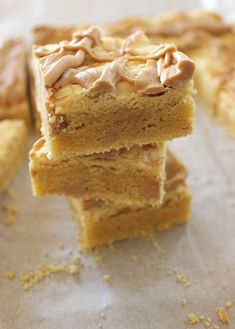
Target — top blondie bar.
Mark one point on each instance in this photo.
(96, 93)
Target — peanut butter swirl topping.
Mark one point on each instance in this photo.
(98, 63)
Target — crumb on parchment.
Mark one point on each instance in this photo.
(183, 279)
(30, 278)
(11, 211)
(98, 258)
(76, 259)
(222, 315)
(228, 304)
(208, 322)
(135, 258)
(193, 318)
(107, 277)
(10, 275)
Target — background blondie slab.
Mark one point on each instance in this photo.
(119, 93)
(134, 176)
(13, 91)
(13, 146)
(103, 222)
(203, 35)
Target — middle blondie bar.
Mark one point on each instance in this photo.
(134, 176)
(99, 93)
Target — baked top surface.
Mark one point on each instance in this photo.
(98, 63)
(13, 54)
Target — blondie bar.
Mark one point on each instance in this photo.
(13, 146)
(134, 176)
(13, 91)
(204, 36)
(99, 93)
(104, 222)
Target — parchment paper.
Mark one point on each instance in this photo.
(141, 295)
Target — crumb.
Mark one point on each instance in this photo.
(193, 319)
(72, 269)
(134, 258)
(216, 326)
(45, 254)
(76, 259)
(207, 324)
(31, 278)
(210, 270)
(100, 326)
(107, 277)
(10, 221)
(228, 304)
(11, 275)
(98, 258)
(183, 302)
(223, 315)
(202, 317)
(18, 311)
(10, 209)
(183, 279)
(152, 238)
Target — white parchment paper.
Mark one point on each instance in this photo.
(141, 295)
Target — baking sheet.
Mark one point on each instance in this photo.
(143, 293)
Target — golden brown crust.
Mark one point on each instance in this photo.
(87, 61)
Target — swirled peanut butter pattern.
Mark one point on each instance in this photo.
(99, 63)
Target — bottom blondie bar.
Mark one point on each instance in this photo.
(13, 145)
(104, 222)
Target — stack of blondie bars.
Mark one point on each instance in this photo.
(108, 106)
